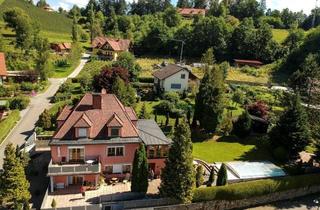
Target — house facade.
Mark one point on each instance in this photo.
(3, 68)
(109, 48)
(99, 136)
(173, 77)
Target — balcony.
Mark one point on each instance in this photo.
(73, 169)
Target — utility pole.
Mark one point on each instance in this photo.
(182, 46)
(314, 15)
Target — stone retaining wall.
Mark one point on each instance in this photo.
(222, 204)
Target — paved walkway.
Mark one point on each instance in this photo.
(37, 105)
(72, 196)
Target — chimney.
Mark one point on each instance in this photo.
(96, 101)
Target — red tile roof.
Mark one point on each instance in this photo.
(3, 68)
(111, 108)
(191, 11)
(115, 121)
(115, 44)
(83, 122)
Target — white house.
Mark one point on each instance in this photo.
(172, 77)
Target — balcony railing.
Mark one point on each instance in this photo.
(69, 169)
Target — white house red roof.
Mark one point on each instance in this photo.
(115, 44)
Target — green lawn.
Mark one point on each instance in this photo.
(230, 149)
(280, 35)
(61, 72)
(7, 124)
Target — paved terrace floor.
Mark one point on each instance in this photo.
(72, 196)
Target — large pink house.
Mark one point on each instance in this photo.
(99, 136)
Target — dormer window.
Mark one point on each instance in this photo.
(115, 132)
(82, 132)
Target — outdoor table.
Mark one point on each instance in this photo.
(90, 161)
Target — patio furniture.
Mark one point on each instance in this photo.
(114, 180)
(90, 162)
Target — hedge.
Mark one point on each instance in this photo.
(251, 189)
(7, 124)
(146, 79)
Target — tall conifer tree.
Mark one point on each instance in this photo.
(140, 171)
(178, 176)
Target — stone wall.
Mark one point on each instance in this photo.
(222, 204)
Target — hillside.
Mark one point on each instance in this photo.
(53, 25)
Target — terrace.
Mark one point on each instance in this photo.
(66, 169)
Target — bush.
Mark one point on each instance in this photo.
(61, 63)
(146, 79)
(54, 203)
(19, 102)
(280, 154)
(199, 176)
(242, 127)
(222, 175)
(251, 189)
(27, 86)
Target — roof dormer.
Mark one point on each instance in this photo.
(114, 126)
(82, 127)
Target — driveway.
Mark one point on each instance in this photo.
(37, 105)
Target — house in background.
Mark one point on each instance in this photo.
(109, 48)
(191, 12)
(173, 77)
(61, 48)
(253, 63)
(48, 8)
(100, 136)
(3, 68)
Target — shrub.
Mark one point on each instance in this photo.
(251, 189)
(19, 102)
(222, 175)
(199, 176)
(211, 178)
(27, 86)
(259, 109)
(173, 97)
(242, 127)
(53, 203)
(146, 79)
(61, 63)
(280, 154)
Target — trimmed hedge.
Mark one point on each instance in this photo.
(7, 124)
(251, 189)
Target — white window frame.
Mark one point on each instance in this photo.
(115, 147)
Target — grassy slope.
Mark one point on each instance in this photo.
(54, 26)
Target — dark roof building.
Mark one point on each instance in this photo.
(253, 63)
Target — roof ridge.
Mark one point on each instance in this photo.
(125, 113)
